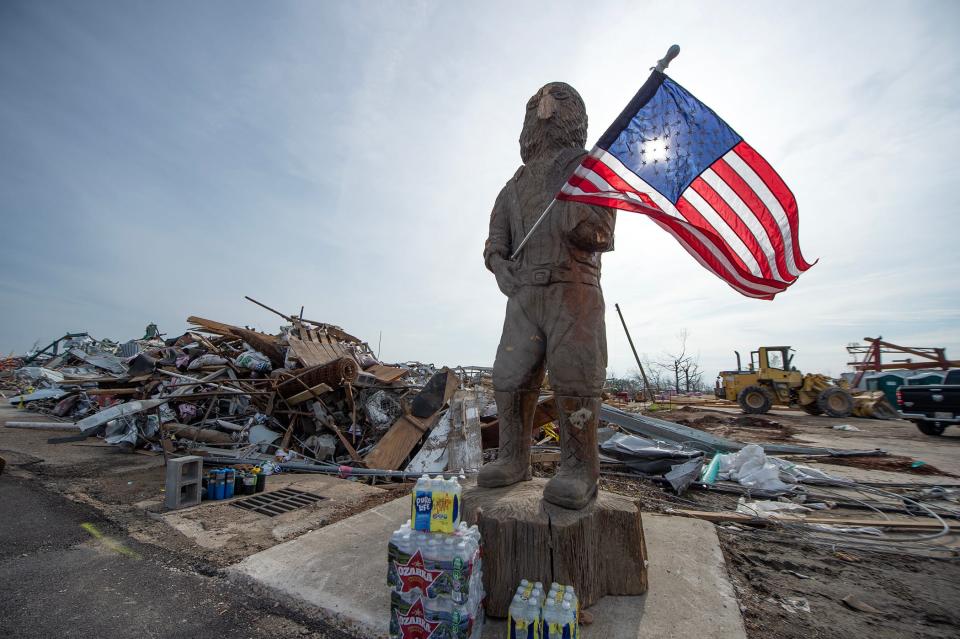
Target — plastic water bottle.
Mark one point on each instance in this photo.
(457, 491)
(533, 615)
(550, 615)
(517, 622)
(437, 609)
(538, 594)
(431, 551)
(395, 538)
(461, 562)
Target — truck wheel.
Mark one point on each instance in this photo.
(835, 402)
(811, 408)
(931, 428)
(754, 400)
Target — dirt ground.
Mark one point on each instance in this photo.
(790, 589)
(787, 588)
(127, 488)
(752, 428)
(796, 591)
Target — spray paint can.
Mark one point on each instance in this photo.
(249, 483)
(237, 482)
(219, 478)
(211, 485)
(228, 483)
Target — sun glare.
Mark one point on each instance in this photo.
(655, 150)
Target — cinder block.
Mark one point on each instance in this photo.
(184, 482)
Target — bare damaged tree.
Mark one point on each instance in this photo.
(682, 367)
(655, 375)
(692, 375)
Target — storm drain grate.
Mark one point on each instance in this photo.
(278, 502)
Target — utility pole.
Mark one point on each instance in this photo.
(646, 384)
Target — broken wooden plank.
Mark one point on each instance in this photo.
(545, 457)
(394, 447)
(398, 442)
(317, 353)
(386, 374)
(919, 523)
(310, 393)
(212, 326)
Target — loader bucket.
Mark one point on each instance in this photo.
(873, 404)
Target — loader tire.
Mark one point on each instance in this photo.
(755, 400)
(811, 409)
(835, 402)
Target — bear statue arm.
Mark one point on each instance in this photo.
(498, 244)
(592, 228)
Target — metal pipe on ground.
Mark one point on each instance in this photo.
(43, 425)
(342, 471)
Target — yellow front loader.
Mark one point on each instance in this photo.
(771, 379)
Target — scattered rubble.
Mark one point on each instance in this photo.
(311, 396)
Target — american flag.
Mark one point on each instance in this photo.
(670, 157)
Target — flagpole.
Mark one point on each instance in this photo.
(661, 65)
(532, 229)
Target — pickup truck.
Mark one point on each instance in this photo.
(932, 407)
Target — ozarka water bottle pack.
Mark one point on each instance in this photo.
(435, 578)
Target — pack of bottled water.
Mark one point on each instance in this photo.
(436, 581)
(435, 504)
(534, 614)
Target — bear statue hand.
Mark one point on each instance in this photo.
(507, 280)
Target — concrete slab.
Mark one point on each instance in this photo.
(689, 596)
(341, 571)
(237, 533)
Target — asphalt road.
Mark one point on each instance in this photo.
(67, 572)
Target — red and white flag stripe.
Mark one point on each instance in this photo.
(737, 218)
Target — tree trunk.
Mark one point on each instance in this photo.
(599, 550)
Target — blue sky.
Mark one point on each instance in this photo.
(166, 159)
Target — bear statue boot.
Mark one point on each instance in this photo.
(516, 410)
(575, 484)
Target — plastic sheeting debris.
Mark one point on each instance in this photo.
(752, 468)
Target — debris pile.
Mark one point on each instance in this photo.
(310, 395)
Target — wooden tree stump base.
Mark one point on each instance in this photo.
(599, 550)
